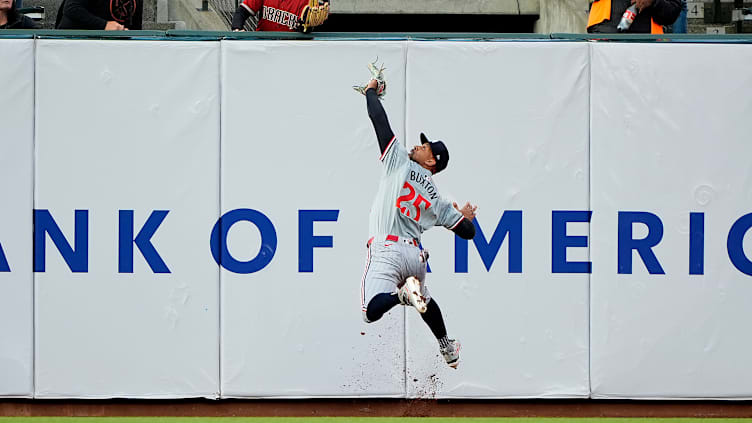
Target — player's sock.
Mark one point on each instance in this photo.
(444, 342)
(434, 320)
(379, 305)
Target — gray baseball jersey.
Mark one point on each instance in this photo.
(406, 204)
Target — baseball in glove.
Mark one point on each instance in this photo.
(314, 14)
(377, 73)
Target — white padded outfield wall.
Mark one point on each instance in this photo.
(126, 131)
(16, 179)
(671, 156)
(518, 141)
(200, 212)
(303, 155)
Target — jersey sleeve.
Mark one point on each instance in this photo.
(253, 6)
(394, 156)
(446, 215)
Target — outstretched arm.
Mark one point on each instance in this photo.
(466, 229)
(378, 116)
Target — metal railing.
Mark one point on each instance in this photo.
(226, 8)
(35, 13)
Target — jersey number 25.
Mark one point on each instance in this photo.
(417, 203)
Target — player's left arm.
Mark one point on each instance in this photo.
(378, 117)
(465, 228)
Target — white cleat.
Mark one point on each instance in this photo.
(410, 294)
(451, 352)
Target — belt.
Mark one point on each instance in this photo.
(395, 238)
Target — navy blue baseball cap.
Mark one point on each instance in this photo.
(439, 151)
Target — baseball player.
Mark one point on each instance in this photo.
(281, 15)
(407, 204)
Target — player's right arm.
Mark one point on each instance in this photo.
(465, 228)
(246, 9)
(378, 117)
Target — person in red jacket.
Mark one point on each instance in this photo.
(276, 15)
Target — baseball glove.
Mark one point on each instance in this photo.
(377, 74)
(314, 14)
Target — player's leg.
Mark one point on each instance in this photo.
(410, 292)
(379, 282)
(434, 319)
(379, 305)
(450, 348)
(411, 289)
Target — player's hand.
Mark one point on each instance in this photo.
(642, 4)
(468, 210)
(372, 84)
(113, 26)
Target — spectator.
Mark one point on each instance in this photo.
(652, 15)
(110, 15)
(280, 15)
(11, 19)
(680, 26)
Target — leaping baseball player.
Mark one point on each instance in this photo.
(407, 204)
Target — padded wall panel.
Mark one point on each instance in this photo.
(298, 146)
(670, 155)
(16, 190)
(514, 117)
(128, 136)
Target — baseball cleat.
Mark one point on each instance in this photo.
(451, 352)
(410, 294)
